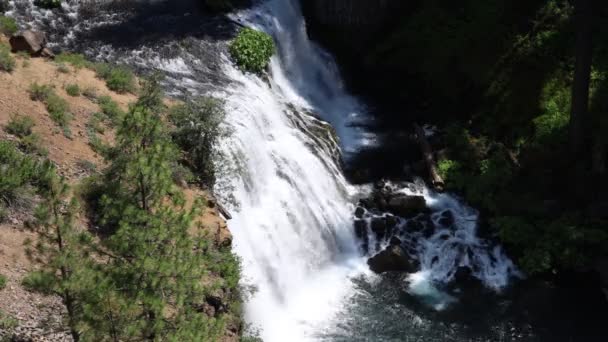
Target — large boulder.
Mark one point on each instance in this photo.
(406, 205)
(32, 42)
(392, 259)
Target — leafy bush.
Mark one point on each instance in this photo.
(118, 78)
(20, 125)
(40, 92)
(41, 282)
(2, 282)
(78, 61)
(8, 26)
(110, 109)
(197, 131)
(62, 68)
(18, 172)
(48, 4)
(7, 62)
(58, 110)
(252, 49)
(72, 90)
(90, 93)
(32, 144)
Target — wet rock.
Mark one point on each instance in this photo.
(414, 225)
(359, 212)
(392, 259)
(465, 280)
(447, 218)
(391, 221)
(32, 42)
(428, 231)
(395, 241)
(378, 226)
(405, 205)
(360, 229)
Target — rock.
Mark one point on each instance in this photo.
(378, 226)
(393, 258)
(464, 279)
(414, 225)
(395, 241)
(47, 53)
(360, 229)
(359, 212)
(391, 221)
(32, 42)
(447, 218)
(405, 205)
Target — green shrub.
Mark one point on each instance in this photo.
(2, 282)
(118, 78)
(7, 322)
(8, 26)
(198, 127)
(90, 93)
(58, 110)
(72, 90)
(48, 4)
(20, 125)
(18, 172)
(62, 68)
(252, 49)
(77, 60)
(40, 92)
(7, 62)
(32, 144)
(110, 109)
(41, 282)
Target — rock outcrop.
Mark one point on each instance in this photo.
(32, 42)
(392, 259)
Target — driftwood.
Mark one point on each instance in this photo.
(223, 211)
(429, 160)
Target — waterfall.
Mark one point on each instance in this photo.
(293, 209)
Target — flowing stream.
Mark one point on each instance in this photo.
(293, 208)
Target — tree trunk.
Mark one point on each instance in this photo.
(579, 117)
(429, 160)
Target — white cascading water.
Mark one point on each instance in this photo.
(293, 218)
(294, 228)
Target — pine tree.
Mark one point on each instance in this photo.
(60, 248)
(156, 269)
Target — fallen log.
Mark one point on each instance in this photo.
(429, 160)
(223, 211)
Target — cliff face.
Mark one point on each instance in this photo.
(347, 25)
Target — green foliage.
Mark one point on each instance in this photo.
(20, 126)
(551, 127)
(48, 4)
(41, 282)
(566, 242)
(8, 26)
(78, 61)
(110, 109)
(198, 128)
(73, 90)
(118, 78)
(7, 62)
(40, 92)
(2, 282)
(252, 49)
(18, 173)
(62, 68)
(32, 144)
(7, 322)
(58, 109)
(155, 265)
